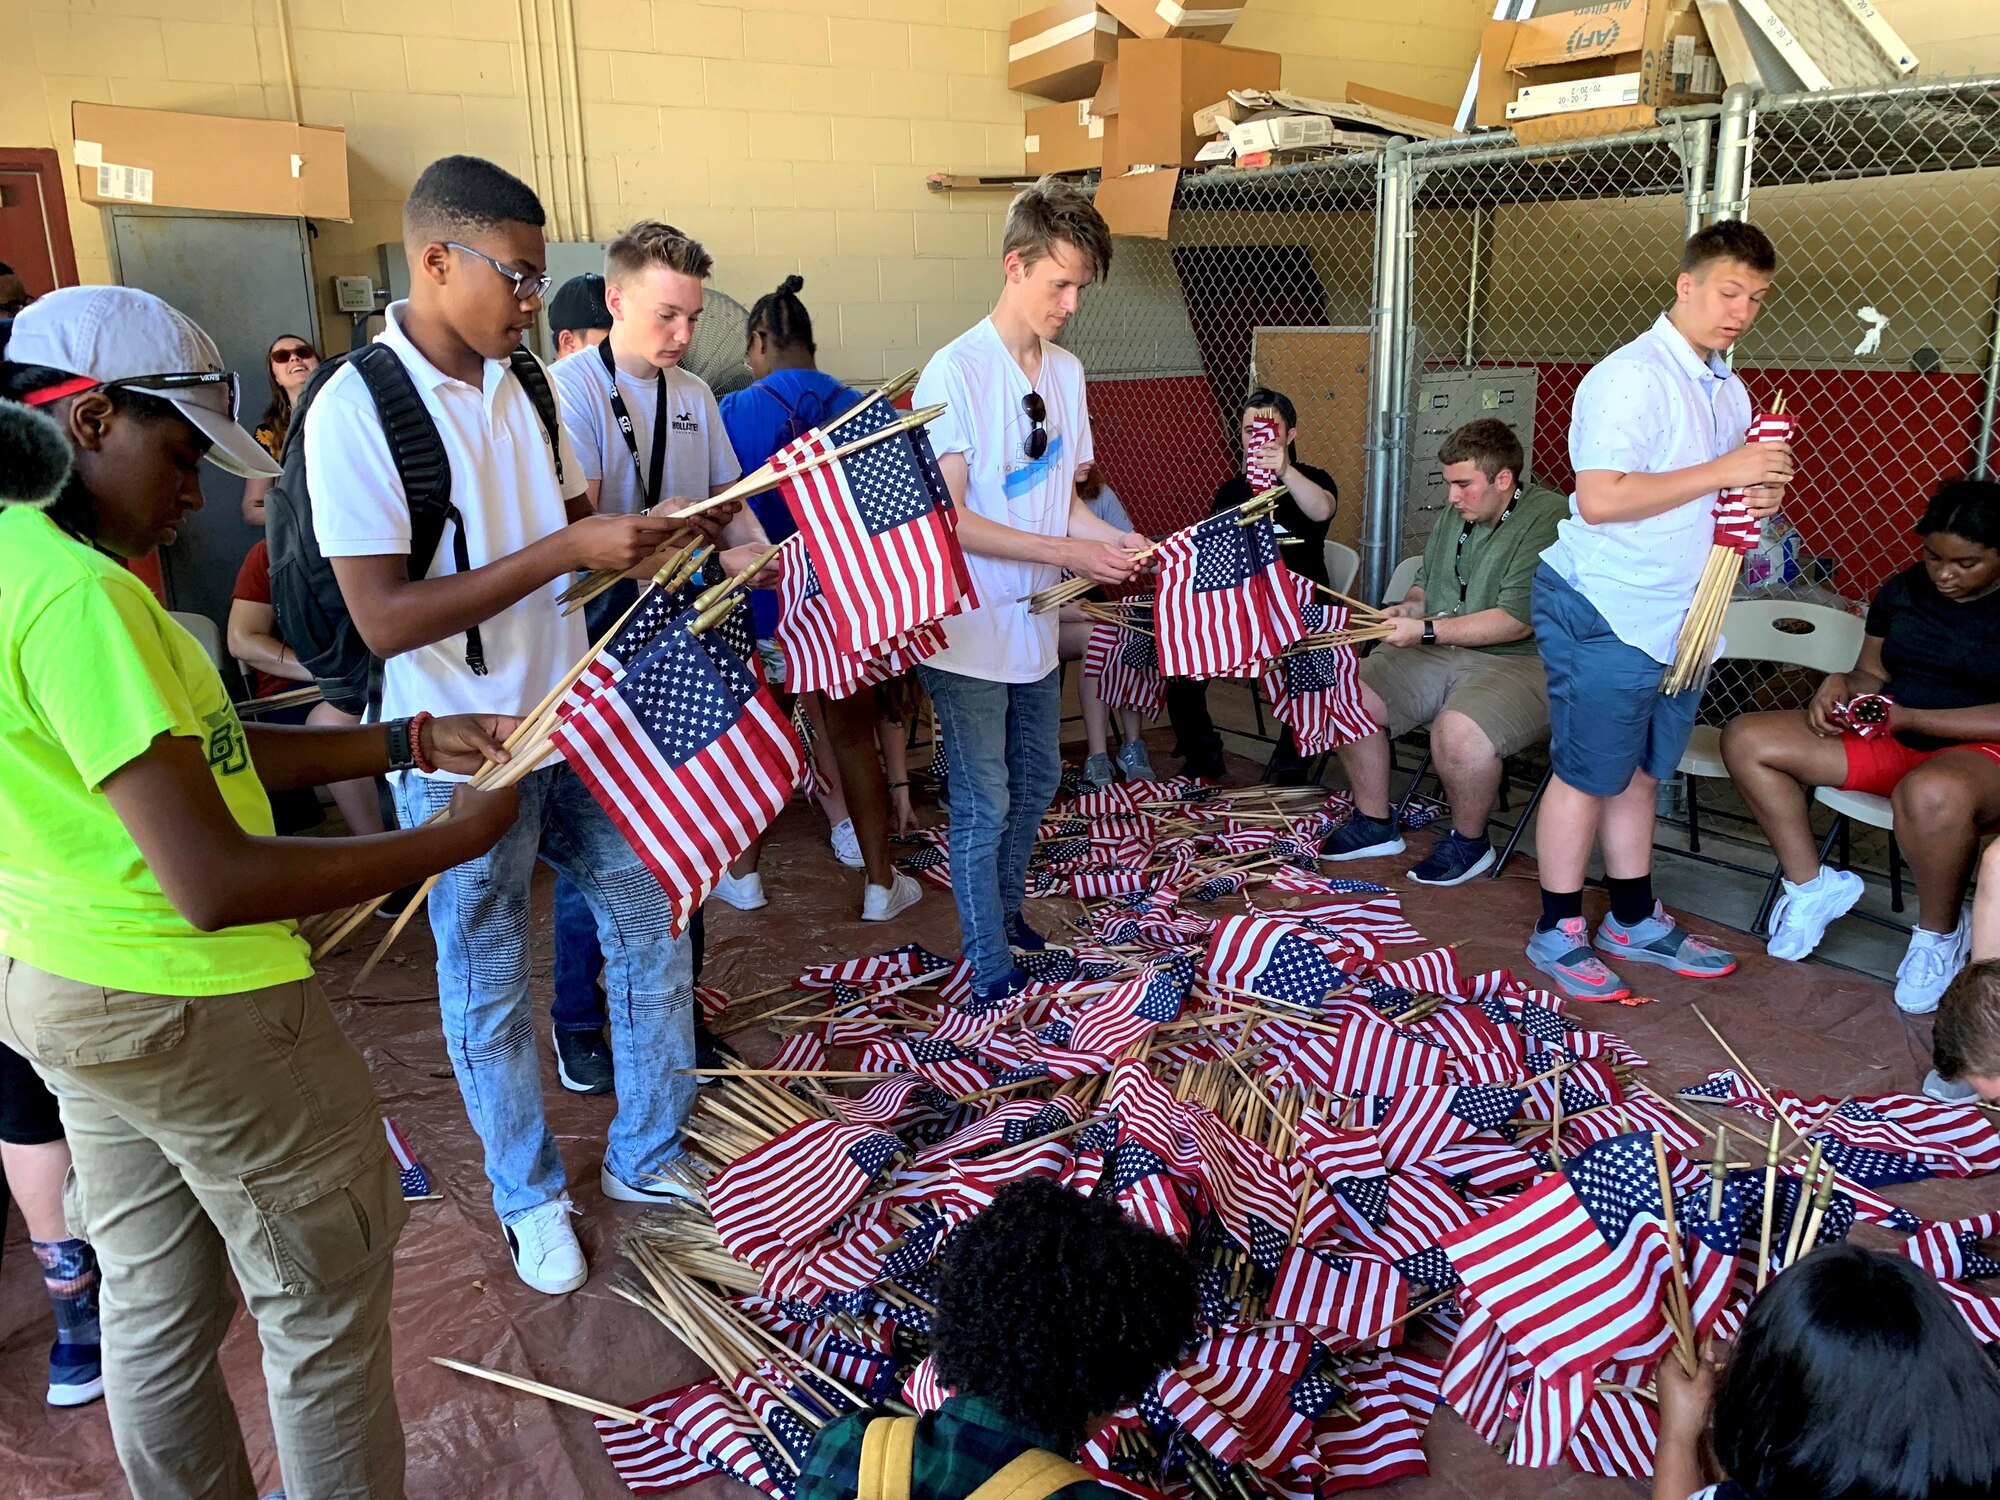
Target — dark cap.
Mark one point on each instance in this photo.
(578, 305)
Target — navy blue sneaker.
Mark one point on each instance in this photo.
(1025, 937)
(1361, 837)
(76, 1375)
(1455, 860)
(995, 995)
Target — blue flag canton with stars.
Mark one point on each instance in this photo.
(1132, 1163)
(737, 630)
(1315, 670)
(686, 694)
(1165, 991)
(886, 478)
(1617, 1181)
(651, 617)
(1313, 1395)
(1486, 1106)
(875, 1152)
(1724, 1233)
(1139, 652)
(1297, 973)
(414, 1181)
(1228, 555)
(1869, 1167)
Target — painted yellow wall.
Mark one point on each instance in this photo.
(786, 134)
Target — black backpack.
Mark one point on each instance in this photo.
(312, 616)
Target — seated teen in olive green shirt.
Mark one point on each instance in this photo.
(1462, 657)
(1030, 1370)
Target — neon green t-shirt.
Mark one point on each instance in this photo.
(92, 670)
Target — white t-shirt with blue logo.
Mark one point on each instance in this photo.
(983, 389)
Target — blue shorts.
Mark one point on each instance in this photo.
(1607, 715)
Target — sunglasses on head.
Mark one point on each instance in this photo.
(189, 380)
(292, 352)
(1038, 413)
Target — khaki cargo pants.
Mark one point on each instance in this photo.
(238, 1130)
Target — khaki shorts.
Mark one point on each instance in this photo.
(1506, 696)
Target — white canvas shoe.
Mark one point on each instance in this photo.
(546, 1254)
(1804, 912)
(881, 902)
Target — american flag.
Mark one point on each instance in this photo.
(886, 551)
(1379, 918)
(1225, 600)
(1619, 1433)
(690, 758)
(701, 1429)
(1348, 1297)
(947, 1065)
(1380, 1442)
(788, 1190)
(410, 1173)
(655, 610)
(1128, 1014)
(1317, 690)
(1276, 958)
(905, 962)
(1122, 662)
(1950, 1252)
(815, 660)
(1423, 1121)
(1253, 1193)
(1436, 972)
(1573, 1270)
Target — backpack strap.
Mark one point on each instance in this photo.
(535, 381)
(425, 469)
(1034, 1475)
(888, 1450)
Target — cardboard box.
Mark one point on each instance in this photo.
(1402, 104)
(1281, 133)
(1215, 119)
(1063, 138)
(1139, 205)
(1161, 85)
(1606, 91)
(1061, 52)
(176, 160)
(1663, 41)
(1158, 19)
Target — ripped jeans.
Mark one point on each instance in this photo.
(479, 915)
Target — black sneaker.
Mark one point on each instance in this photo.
(583, 1061)
(710, 1051)
(1025, 937)
(397, 902)
(1455, 860)
(1361, 837)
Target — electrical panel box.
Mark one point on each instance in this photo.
(1446, 401)
(354, 294)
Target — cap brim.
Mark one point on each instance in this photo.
(231, 448)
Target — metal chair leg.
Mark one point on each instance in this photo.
(1409, 796)
(1895, 874)
(1694, 813)
(1521, 824)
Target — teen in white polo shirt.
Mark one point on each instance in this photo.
(1014, 434)
(1657, 430)
(473, 235)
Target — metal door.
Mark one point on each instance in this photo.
(245, 280)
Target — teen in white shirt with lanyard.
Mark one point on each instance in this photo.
(1014, 433)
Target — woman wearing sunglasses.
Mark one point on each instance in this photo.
(290, 362)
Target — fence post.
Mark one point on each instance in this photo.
(1697, 145)
(1982, 465)
(1733, 140)
(1382, 516)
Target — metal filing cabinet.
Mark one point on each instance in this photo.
(1446, 401)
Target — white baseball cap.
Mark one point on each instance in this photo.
(119, 335)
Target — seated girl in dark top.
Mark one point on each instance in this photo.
(1855, 1379)
(1933, 648)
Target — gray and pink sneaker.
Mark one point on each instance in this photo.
(1564, 955)
(1659, 939)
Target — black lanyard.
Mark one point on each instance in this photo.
(650, 488)
(1464, 531)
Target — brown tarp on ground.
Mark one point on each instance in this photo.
(1805, 1027)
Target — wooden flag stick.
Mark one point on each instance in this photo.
(553, 1393)
(1770, 1206)
(1680, 1314)
(1757, 1083)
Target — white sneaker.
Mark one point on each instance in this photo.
(1804, 912)
(665, 1188)
(744, 892)
(1928, 968)
(846, 847)
(881, 902)
(546, 1254)
(1948, 1093)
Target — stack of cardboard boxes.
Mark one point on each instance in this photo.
(1604, 69)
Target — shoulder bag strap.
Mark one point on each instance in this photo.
(888, 1449)
(1034, 1475)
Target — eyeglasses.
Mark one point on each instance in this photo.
(528, 287)
(188, 380)
(294, 354)
(1038, 413)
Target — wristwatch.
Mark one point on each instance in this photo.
(402, 754)
(1430, 632)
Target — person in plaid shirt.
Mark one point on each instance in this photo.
(1030, 1369)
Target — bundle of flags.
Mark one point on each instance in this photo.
(880, 537)
(1123, 663)
(1315, 688)
(1226, 601)
(1357, 1139)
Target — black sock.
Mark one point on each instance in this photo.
(1559, 907)
(1631, 900)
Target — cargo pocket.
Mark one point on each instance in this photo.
(331, 1211)
(112, 1035)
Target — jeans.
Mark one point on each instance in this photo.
(226, 1144)
(1000, 739)
(479, 916)
(577, 1006)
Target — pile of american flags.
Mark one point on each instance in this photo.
(1404, 1185)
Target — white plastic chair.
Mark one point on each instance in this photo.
(1401, 579)
(206, 633)
(1810, 636)
(1343, 566)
